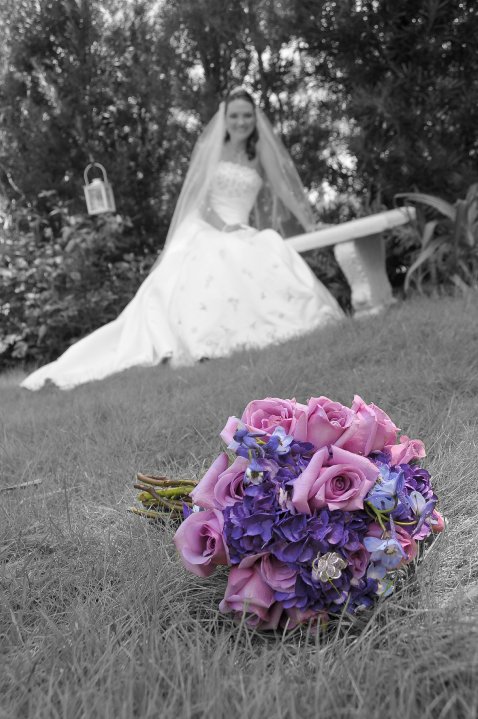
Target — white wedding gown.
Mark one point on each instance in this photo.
(212, 293)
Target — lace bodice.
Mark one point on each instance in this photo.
(233, 191)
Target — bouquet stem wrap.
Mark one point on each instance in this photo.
(159, 494)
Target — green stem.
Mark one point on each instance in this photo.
(165, 491)
(164, 482)
(331, 582)
(174, 491)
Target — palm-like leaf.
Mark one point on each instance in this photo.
(459, 229)
(434, 202)
(472, 193)
(452, 252)
(432, 247)
(428, 232)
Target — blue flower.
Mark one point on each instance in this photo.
(187, 510)
(386, 551)
(259, 465)
(376, 571)
(279, 442)
(246, 443)
(421, 508)
(387, 488)
(362, 594)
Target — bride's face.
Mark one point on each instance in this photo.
(240, 119)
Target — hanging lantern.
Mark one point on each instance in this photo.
(98, 193)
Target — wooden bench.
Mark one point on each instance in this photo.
(359, 249)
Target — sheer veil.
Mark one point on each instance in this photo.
(282, 193)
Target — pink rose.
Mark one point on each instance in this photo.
(264, 415)
(437, 522)
(200, 542)
(255, 622)
(278, 575)
(294, 616)
(247, 592)
(407, 543)
(334, 478)
(407, 450)
(327, 421)
(221, 486)
(371, 429)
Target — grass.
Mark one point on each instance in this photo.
(99, 619)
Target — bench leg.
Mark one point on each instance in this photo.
(363, 263)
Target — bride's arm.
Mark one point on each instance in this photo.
(212, 218)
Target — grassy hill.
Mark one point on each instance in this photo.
(98, 618)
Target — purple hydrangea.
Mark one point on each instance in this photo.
(334, 560)
(261, 522)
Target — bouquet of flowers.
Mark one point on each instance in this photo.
(315, 513)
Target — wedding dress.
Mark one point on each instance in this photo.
(213, 293)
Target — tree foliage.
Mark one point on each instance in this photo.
(408, 75)
(60, 279)
(83, 83)
(372, 98)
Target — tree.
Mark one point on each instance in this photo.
(408, 72)
(88, 80)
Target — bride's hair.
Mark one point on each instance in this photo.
(239, 93)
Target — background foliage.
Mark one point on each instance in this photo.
(371, 97)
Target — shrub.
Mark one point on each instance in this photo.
(61, 277)
(448, 235)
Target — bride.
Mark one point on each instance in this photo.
(220, 284)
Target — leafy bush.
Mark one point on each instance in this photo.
(61, 277)
(402, 245)
(448, 243)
